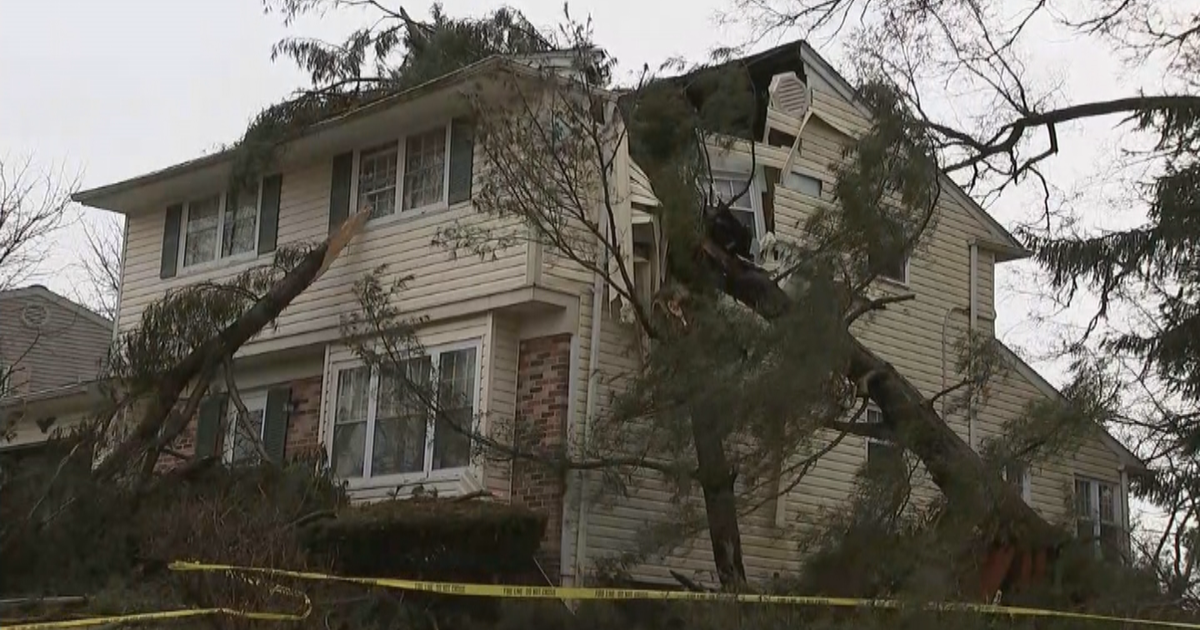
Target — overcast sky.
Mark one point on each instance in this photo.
(116, 88)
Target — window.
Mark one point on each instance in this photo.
(239, 229)
(239, 443)
(803, 183)
(1098, 515)
(200, 230)
(1017, 475)
(377, 180)
(726, 189)
(425, 169)
(220, 226)
(382, 429)
(881, 454)
(411, 174)
(893, 267)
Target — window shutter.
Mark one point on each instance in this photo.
(208, 425)
(268, 213)
(339, 190)
(462, 156)
(275, 422)
(170, 248)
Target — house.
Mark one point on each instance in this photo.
(531, 337)
(52, 353)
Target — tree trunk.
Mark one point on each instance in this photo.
(204, 360)
(972, 493)
(716, 479)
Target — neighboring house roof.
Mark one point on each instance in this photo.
(49, 341)
(1127, 457)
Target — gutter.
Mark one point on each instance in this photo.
(86, 387)
(87, 197)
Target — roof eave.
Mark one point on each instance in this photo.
(1130, 462)
(104, 196)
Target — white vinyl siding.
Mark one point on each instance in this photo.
(438, 278)
(910, 335)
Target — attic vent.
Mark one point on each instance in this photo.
(789, 95)
(35, 316)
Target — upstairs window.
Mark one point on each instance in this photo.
(892, 267)
(810, 186)
(220, 226)
(406, 175)
(201, 230)
(1098, 516)
(425, 169)
(377, 180)
(1017, 475)
(726, 188)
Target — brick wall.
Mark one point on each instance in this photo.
(303, 427)
(543, 368)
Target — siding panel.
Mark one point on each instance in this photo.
(404, 244)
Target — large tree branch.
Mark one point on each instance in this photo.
(1005, 140)
(953, 465)
(203, 361)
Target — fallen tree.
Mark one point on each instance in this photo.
(139, 371)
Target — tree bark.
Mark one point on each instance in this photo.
(972, 493)
(204, 360)
(716, 478)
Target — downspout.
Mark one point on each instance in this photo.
(974, 306)
(121, 285)
(589, 411)
(1125, 507)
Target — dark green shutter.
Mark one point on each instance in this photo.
(462, 157)
(170, 248)
(276, 422)
(208, 425)
(268, 213)
(339, 190)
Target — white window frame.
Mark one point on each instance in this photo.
(1093, 489)
(401, 157)
(254, 401)
(366, 481)
(753, 192)
(795, 173)
(1026, 485)
(218, 260)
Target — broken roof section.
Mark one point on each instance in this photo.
(798, 57)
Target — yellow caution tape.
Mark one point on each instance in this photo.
(175, 614)
(586, 593)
